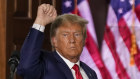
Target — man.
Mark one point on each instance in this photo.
(68, 33)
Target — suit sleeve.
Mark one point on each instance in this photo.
(30, 66)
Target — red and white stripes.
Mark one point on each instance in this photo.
(117, 44)
(91, 55)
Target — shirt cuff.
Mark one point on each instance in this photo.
(38, 27)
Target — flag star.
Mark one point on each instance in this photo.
(131, 2)
(122, 0)
(120, 10)
(68, 4)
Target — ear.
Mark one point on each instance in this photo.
(54, 42)
(84, 42)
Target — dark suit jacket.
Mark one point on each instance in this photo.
(37, 64)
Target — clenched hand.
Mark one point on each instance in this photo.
(46, 14)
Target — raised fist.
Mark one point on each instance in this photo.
(46, 14)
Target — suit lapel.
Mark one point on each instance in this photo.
(86, 70)
(63, 66)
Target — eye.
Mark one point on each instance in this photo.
(65, 35)
(77, 34)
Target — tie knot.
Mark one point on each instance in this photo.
(77, 72)
(76, 67)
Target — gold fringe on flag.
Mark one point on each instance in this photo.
(133, 50)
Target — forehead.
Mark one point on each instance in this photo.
(70, 27)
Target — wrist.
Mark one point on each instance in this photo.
(40, 22)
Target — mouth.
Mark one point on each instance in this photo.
(72, 47)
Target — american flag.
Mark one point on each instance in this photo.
(114, 60)
(117, 41)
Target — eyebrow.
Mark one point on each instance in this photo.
(68, 31)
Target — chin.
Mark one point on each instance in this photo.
(74, 54)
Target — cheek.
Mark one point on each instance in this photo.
(62, 41)
(80, 44)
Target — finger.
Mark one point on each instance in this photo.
(46, 8)
(54, 13)
(51, 10)
(41, 7)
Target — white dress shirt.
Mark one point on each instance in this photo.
(69, 63)
(38, 27)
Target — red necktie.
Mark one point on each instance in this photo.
(77, 72)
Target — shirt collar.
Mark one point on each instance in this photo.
(69, 63)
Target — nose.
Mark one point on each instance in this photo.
(72, 39)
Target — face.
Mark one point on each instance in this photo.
(69, 41)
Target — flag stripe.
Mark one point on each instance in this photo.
(119, 46)
(108, 60)
(90, 44)
(109, 38)
(105, 51)
(84, 11)
(86, 57)
(137, 11)
(126, 35)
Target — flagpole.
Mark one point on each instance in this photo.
(75, 7)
